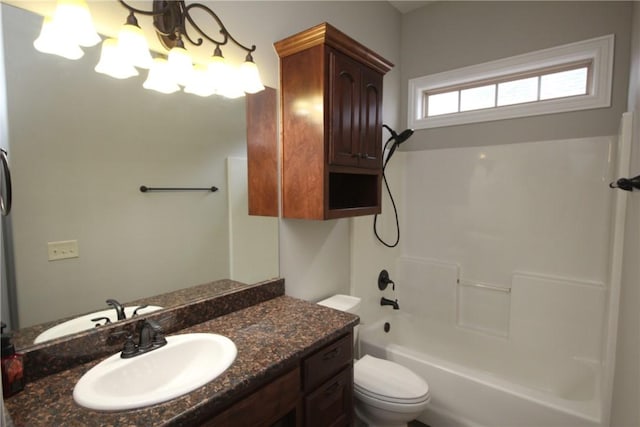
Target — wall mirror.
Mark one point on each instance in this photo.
(80, 146)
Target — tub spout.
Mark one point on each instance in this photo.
(386, 301)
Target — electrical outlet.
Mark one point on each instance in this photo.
(63, 250)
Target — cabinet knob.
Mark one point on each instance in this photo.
(363, 155)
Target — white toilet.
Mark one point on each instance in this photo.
(386, 394)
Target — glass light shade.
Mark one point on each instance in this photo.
(251, 81)
(219, 72)
(181, 65)
(56, 42)
(133, 46)
(201, 83)
(160, 77)
(73, 16)
(112, 62)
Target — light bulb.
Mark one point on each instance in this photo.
(219, 71)
(112, 62)
(251, 82)
(73, 17)
(56, 42)
(160, 77)
(133, 46)
(180, 64)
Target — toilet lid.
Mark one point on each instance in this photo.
(388, 381)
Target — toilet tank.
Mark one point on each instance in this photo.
(350, 305)
(342, 302)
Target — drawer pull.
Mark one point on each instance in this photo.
(332, 388)
(331, 354)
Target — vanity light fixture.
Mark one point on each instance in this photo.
(70, 28)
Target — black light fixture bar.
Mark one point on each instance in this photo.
(169, 18)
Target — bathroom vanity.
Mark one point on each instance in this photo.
(293, 367)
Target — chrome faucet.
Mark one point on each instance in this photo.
(119, 308)
(386, 301)
(151, 338)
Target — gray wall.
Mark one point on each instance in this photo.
(448, 35)
(625, 410)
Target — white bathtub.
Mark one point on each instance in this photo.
(477, 380)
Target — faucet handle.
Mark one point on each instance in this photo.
(384, 280)
(141, 307)
(98, 319)
(129, 349)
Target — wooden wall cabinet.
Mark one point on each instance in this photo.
(331, 103)
(262, 152)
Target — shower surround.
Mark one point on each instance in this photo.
(507, 282)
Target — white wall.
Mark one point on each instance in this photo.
(625, 410)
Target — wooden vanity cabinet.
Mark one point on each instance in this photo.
(327, 379)
(317, 393)
(275, 404)
(331, 104)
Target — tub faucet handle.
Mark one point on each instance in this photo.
(384, 280)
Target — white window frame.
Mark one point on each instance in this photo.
(599, 50)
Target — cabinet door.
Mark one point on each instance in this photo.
(371, 119)
(344, 110)
(331, 405)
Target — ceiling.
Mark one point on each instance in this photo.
(409, 5)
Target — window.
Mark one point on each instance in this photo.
(572, 77)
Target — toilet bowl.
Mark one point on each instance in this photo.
(386, 393)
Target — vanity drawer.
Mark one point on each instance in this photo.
(326, 362)
(331, 404)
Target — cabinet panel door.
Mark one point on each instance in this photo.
(331, 405)
(371, 119)
(344, 110)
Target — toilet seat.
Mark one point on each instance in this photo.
(384, 382)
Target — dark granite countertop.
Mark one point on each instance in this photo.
(272, 337)
(24, 337)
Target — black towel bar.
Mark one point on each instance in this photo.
(145, 189)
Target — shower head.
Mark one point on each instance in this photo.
(397, 139)
(404, 135)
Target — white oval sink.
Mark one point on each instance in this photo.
(83, 323)
(187, 362)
